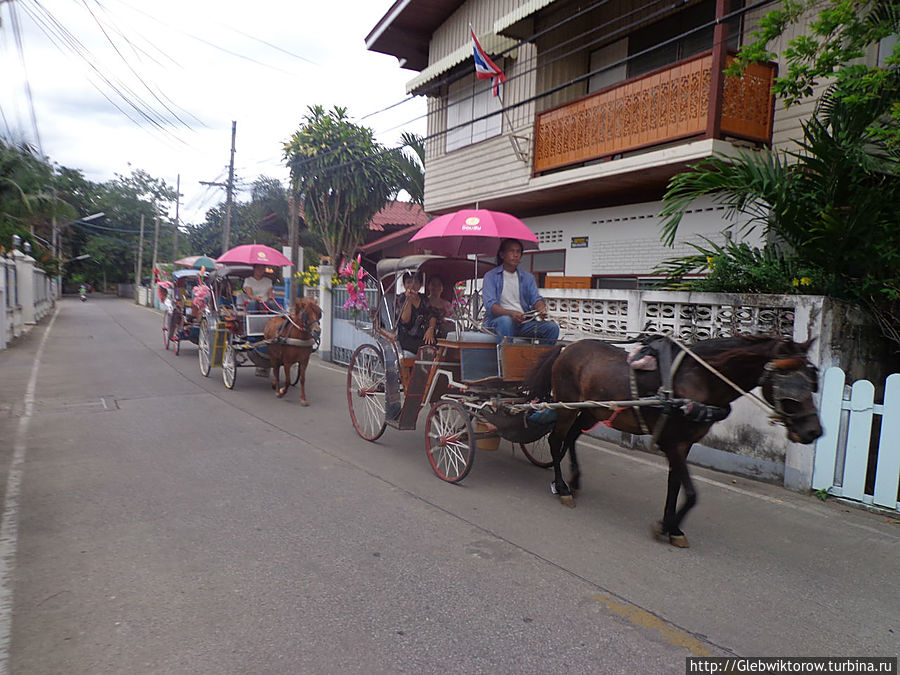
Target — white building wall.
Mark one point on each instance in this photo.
(625, 240)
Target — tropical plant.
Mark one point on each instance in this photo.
(832, 207)
(832, 46)
(344, 176)
(413, 167)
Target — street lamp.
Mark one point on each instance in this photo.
(57, 245)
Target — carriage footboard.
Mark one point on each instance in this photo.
(515, 427)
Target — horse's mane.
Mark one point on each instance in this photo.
(302, 303)
(719, 351)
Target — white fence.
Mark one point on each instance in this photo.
(26, 295)
(859, 456)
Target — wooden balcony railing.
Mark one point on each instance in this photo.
(660, 107)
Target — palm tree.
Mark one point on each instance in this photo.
(413, 168)
(834, 205)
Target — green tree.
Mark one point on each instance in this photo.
(344, 176)
(413, 167)
(833, 46)
(831, 210)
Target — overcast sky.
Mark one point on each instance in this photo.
(209, 63)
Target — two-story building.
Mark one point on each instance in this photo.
(604, 102)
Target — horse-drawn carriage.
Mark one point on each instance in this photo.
(232, 336)
(543, 397)
(181, 318)
(466, 379)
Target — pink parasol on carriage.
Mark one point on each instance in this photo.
(473, 231)
(254, 254)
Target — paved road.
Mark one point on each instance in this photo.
(168, 525)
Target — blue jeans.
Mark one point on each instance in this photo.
(504, 327)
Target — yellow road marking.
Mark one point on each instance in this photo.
(644, 619)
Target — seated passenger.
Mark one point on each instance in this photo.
(258, 288)
(415, 317)
(439, 308)
(508, 293)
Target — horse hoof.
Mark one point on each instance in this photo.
(658, 532)
(567, 500)
(304, 403)
(679, 541)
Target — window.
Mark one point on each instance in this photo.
(541, 262)
(468, 100)
(678, 48)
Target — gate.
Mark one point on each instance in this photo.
(858, 457)
(350, 328)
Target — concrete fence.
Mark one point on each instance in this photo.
(27, 295)
(745, 443)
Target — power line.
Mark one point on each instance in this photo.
(575, 80)
(17, 34)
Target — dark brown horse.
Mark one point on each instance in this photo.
(290, 340)
(592, 370)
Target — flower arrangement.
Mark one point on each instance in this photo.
(353, 275)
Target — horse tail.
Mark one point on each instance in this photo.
(538, 382)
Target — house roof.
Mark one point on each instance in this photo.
(406, 29)
(399, 237)
(398, 214)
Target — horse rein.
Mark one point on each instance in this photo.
(770, 370)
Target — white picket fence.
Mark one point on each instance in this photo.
(843, 453)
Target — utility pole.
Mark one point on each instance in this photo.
(140, 264)
(293, 241)
(177, 204)
(229, 193)
(155, 244)
(226, 235)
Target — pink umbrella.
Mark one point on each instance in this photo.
(254, 254)
(473, 231)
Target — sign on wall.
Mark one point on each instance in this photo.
(579, 242)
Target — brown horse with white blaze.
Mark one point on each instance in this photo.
(593, 370)
(290, 339)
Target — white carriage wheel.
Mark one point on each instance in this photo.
(229, 365)
(203, 349)
(366, 392)
(449, 441)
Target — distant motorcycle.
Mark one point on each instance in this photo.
(83, 293)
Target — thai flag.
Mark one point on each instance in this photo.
(485, 68)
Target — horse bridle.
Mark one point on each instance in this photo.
(782, 381)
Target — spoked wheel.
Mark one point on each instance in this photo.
(203, 348)
(538, 452)
(365, 392)
(167, 325)
(449, 441)
(295, 374)
(229, 365)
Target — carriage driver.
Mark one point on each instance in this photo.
(258, 287)
(508, 293)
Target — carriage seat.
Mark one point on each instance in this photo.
(470, 336)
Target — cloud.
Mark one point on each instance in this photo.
(267, 91)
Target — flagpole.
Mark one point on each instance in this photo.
(485, 67)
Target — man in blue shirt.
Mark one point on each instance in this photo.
(508, 293)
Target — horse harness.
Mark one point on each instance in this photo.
(784, 378)
(284, 330)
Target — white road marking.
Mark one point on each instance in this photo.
(9, 525)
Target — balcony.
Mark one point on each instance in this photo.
(667, 105)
